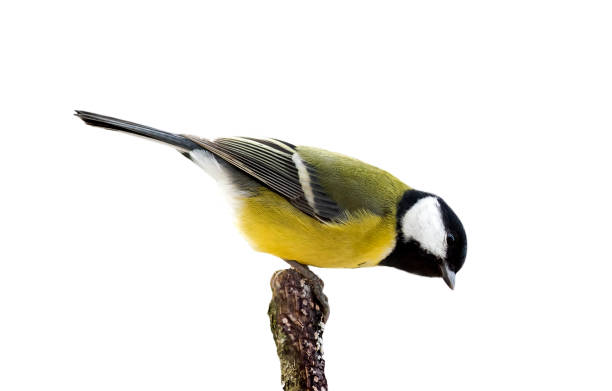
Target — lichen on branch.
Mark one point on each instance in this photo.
(297, 323)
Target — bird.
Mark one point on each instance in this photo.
(312, 207)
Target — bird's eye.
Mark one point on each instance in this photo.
(450, 238)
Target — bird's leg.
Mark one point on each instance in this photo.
(317, 285)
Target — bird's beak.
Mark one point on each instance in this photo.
(448, 275)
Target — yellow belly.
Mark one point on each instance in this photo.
(274, 226)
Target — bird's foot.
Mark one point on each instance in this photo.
(317, 285)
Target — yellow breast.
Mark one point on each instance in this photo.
(274, 226)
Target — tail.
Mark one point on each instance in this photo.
(183, 144)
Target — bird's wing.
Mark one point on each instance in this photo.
(325, 185)
(277, 165)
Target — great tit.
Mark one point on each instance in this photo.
(320, 208)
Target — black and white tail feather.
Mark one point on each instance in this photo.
(179, 142)
(273, 163)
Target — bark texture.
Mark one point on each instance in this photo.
(297, 323)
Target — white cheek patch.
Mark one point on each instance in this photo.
(423, 223)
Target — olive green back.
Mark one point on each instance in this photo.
(353, 184)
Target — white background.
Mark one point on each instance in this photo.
(120, 268)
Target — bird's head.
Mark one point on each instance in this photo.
(431, 240)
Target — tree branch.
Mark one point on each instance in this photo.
(297, 323)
